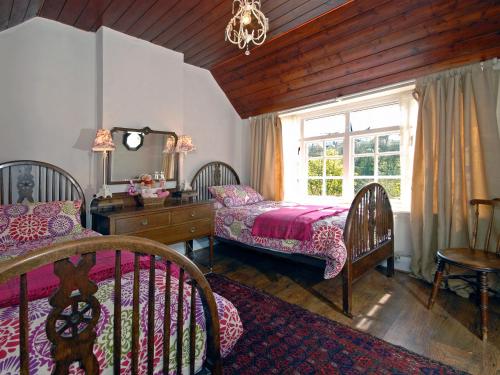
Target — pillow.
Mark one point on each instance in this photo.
(235, 195)
(23, 222)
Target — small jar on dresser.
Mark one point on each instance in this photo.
(174, 221)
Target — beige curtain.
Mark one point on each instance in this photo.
(266, 165)
(457, 158)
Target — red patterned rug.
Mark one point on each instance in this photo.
(283, 338)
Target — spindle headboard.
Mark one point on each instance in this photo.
(213, 174)
(37, 181)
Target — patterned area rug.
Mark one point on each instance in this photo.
(281, 338)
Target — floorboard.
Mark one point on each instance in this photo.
(391, 309)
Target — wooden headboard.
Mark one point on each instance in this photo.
(37, 181)
(213, 174)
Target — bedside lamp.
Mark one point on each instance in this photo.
(103, 142)
(184, 145)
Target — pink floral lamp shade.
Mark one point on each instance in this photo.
(103, 141)
(185, 144)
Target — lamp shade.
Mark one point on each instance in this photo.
(169, 145)
(103, 141)
(185, 144)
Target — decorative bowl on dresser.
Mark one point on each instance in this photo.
(174, 221)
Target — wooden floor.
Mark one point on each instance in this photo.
(391, 309)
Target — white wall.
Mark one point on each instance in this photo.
(47, 97)
(59, 84)
(216, 128)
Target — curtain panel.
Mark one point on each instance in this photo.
(266, 159)
(457, 158)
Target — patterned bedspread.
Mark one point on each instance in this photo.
(327, 241)
(40, 359)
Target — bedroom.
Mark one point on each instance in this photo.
(69, 68)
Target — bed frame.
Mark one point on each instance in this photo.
(37, 181)
(70, 326)
(368, 232)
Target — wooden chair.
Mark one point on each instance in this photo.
(478, 260)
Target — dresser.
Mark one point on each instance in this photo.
(175, 221)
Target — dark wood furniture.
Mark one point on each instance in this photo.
(74, 341)
(175, 221)
(475, 258)
(37, 181)
(368, 232)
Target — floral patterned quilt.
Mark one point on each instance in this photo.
(40, 358)
(327, 242)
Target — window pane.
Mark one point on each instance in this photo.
(388, 143)
(314, 187)
(334, 148)
(375, 118)
(315, 149)
(360, 182)
(334, 167)
(364, 166)
(389, 165)
(315, 168)
(364, 145)
(334, 188)
(324, 126)
(392, 186)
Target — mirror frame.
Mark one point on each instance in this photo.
(146, 130)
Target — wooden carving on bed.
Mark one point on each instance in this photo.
(75, 310)
(36, 181)
(368, 231)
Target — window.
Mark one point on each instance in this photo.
(348, 145)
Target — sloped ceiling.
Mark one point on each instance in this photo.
(316, 50)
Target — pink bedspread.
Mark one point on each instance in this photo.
(42, 281)
(327, 241)
(292, 223)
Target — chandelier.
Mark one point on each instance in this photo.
(248, 25)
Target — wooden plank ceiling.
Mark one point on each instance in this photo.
(316, 50)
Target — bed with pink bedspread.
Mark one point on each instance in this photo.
(326, 240)
(27, 227)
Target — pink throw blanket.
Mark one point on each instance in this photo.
(292, 223)
(42, 281)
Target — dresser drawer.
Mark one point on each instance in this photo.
(191, 213)
(141, 223)
(180, 232)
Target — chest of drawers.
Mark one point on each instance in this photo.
(176, 221)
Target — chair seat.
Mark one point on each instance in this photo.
(476, 260)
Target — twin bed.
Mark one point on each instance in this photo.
(350, 242)
(69, 295)
(112, 298)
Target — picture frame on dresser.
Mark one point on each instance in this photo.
(175, 221)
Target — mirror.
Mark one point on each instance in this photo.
(140, 151)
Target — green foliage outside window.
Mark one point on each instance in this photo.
(364, 166)
(334, 167)
(334, 188)
(392, 186)
(314, 187)
(389, 165)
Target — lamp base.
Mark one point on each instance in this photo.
(104, 192)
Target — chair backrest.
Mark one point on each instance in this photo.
(491, 206)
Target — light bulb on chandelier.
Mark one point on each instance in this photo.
(248, 25)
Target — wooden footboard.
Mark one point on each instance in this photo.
(368, 236)
(71, 323)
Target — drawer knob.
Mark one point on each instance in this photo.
(193, 214)
(193, 229)
(144, 222)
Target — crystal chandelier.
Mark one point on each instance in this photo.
(248, 25)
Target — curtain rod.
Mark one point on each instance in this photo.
(346, 97)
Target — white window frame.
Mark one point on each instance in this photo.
(404, 99)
